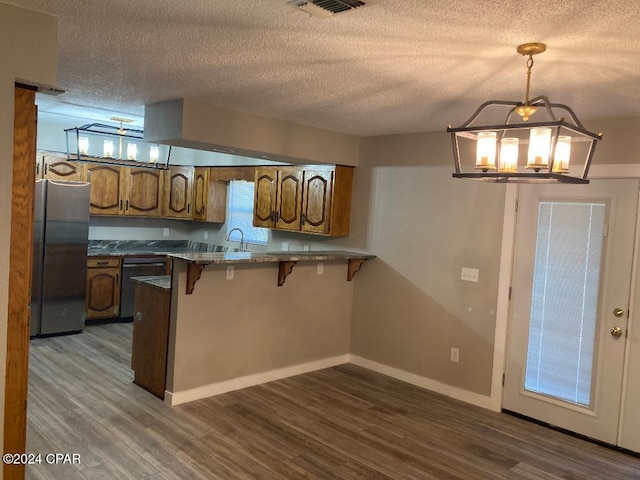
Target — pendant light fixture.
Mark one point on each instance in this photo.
(114, 145)
(543, 150)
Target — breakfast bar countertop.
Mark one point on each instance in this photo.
(205, 258)
(286, 260)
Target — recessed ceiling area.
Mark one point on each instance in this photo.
(392, 66)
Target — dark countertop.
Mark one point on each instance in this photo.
(205, 258)
(162, 282)
(148, 248)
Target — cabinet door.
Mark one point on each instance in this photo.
(289, 199)
(209, 197)
(178, 192)
(142, 192)
(265, 197)
(316, 201)
(200, 190)
(150, 338)
(58, 168)
(105, 196)
(103, 292)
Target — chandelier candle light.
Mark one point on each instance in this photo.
(549, 143)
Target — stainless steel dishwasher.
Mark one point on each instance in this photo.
(136, 267)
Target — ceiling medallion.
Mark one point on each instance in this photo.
(551, 145)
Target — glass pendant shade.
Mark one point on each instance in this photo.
(132, 151)
(562, 155)
(509, 155)
(83, 145)
(539, 148)
(154, 153)
(108, 148)
(486, 151)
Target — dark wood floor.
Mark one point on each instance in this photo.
(339, 423)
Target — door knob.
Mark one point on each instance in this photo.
(618, 312)
(616, 332)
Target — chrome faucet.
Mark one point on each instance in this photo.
(242, 246)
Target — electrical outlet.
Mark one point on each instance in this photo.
(206, 234)
(285, 246)
(455, 355)
(470, 274)
(305, 247)
(230, 272)
(165, 232)
(320, 269)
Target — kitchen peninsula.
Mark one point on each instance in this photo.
(236, 323)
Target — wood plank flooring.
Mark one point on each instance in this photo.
(338, 423)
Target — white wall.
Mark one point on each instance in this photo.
(27, 52)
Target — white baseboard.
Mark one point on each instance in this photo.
(423, 382)
(177, 398)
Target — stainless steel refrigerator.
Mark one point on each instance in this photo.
(61, 237)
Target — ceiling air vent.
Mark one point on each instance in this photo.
(325, 8)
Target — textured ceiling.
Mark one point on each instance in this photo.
(393, 66)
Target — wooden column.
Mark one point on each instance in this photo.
(20, 258)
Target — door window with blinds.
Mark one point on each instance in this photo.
(240, 214)
(564, 303)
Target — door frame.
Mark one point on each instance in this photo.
(505, 273)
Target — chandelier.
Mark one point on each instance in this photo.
(556, 148)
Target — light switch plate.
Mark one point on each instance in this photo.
(320, 269)
(165, 232)
(285, 246)
(305, 247)
(470, 274)
(206, 234)
(230, 272)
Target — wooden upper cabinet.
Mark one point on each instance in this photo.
(57, 167)
(105, 198)
(264, 205)
(209, 196)
(142, 192)
(178, 192)
(311, 199)
(289, 199)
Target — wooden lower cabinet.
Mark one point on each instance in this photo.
(103, 288)
(150, 338)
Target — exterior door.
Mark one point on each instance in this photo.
(570, 300)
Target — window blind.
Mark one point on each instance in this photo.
(240, 214)
(564, 303)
